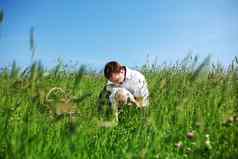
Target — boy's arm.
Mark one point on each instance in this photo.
(142, 93)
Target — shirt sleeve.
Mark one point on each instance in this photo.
(141, 88)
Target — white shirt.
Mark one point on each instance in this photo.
(136, 84)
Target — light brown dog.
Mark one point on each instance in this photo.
(123, 96)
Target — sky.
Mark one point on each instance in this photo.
(133, 32)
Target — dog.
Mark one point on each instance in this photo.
(120, 97)
(117, 97)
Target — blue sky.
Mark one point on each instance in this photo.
(93, 32)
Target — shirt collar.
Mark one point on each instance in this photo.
(128, 74)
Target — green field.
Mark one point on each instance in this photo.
(193, 113)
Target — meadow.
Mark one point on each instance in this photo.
(193, 113)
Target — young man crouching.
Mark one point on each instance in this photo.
(126, 86)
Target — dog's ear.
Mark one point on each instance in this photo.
(129, 101)
(132, 101)
(139, 101)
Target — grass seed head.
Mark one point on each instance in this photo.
(208, 144)
(191, 135)
(179, 145)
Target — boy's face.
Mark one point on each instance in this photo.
(118, 78)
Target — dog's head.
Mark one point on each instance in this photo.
(121, 97)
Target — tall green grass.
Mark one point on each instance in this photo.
(1, 16)
(188, 97)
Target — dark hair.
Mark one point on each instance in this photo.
(112, 67)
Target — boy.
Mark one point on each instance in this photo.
(131, 80)
(124, 86)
